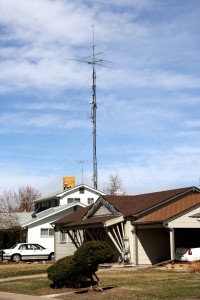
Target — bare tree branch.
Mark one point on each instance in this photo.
(114, 185)
(9, 221)
(26, 196)
(22, 200)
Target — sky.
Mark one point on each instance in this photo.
(148, 93)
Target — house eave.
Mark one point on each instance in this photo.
(148, 210)
(52, 214)
(135, 223)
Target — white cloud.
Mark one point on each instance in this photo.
(24, 121)
(148, 103)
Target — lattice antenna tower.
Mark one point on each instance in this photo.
(94, 114)
(93, 60)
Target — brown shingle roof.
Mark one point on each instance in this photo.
(172, 209)
(133, 205)
(93, 220)
(78, 215)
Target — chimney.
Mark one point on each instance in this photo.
(118, 192)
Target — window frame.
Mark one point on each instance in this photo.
(49, 232)
(90, 200)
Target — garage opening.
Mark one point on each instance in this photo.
(187, 237)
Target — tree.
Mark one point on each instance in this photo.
(114, 185)
(26, 196)
(72, 271)
(8, 221)
(22, 200)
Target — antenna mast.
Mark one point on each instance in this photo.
(94, 115)
(82, 162)
(93, 60)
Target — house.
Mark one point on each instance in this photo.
(10, 228)
(50, 208)
(146, 228)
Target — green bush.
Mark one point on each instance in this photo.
(71, 271)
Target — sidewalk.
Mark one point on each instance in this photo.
(12, 296)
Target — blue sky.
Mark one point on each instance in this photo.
(148, 103)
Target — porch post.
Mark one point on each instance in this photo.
(135, 245)
(172, 243)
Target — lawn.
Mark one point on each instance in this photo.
(145, 284)
(14, 269)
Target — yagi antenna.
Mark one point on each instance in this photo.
(82, 162)
(93, 61)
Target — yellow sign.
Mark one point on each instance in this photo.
(68, 182)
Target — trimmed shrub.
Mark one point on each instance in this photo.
(71, 271)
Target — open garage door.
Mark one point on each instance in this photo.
(187, 237)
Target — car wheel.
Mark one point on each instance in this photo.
(51, 256)
(16, 258)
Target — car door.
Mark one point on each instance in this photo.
(39, 252)
(26, 251)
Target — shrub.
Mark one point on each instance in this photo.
(71, 271)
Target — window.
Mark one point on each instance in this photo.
(62, 236)
(73, 200)
(22, 247)
(47, 232)
(54, 202)
(75, 208)
(81, 190)
(90, 200)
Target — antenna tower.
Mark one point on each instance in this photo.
(94, 115)
(93, 61)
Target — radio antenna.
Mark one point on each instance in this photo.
(82, 162)
(93, 61)
(94, 115)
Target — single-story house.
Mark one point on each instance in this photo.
(53, 207)
(145, 228)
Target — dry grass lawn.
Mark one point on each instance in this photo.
(179, 281)
(9, 269)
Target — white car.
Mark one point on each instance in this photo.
(187, 254)
(27, 251)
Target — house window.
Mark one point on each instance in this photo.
(38, 205)
(54, 202)
(73, 200)
(90, 200)
(62, 236)
(81, 190)
(75, 208)
(45, 232)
